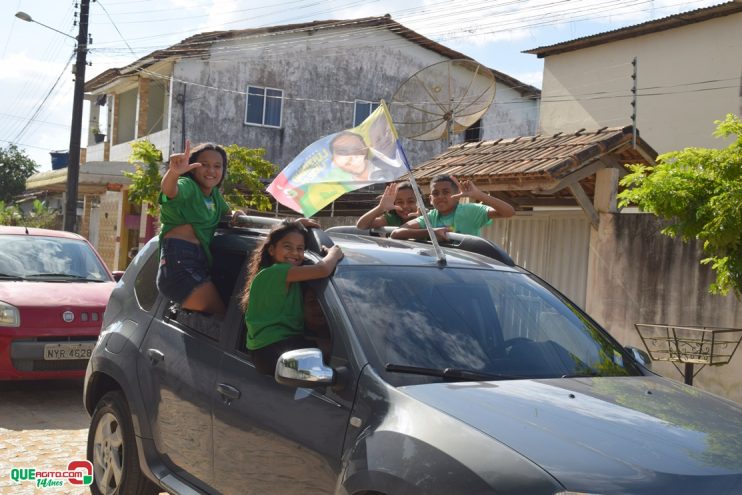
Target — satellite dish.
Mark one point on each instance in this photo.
(442, 99)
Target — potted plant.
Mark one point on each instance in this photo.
(97, 135)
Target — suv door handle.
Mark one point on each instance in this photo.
(228, 393)
(155, 356)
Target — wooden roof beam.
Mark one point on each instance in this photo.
(584, 201)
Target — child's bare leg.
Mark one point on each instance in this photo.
(205, 298)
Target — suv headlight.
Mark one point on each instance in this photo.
(9, 315)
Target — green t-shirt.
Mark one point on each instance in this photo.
(392, 219)
(466, 218)
(275, 312)
(191, 206)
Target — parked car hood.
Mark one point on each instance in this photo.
(605, 434)
(55, 294)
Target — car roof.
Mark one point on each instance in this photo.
(369, 250)
(33, 231)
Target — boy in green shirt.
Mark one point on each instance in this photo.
(396, 206)
(448, 215)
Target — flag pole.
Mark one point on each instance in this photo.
(440, 255)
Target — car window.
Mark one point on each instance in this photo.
(145, 287)
(49, 258)
(493, 322)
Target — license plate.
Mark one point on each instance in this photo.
(57, 352)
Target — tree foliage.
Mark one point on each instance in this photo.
(39, 216)
(699, 191)
(242, 187)
(15, 168)
(145, 180)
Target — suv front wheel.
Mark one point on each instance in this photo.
(113, 451)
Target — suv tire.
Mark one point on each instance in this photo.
(113, 452)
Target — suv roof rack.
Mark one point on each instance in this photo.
(464, 242)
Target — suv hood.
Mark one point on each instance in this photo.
(605, 434)
(24, 294)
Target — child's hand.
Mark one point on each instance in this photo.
(178, 162)
(466, 189)
(441, 233)
(387, 199)
(334, 253)
(236, 214)
(309, 223)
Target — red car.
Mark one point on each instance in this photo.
(53, 290)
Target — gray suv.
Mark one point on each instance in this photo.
(463, 375)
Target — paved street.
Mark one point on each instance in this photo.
(44, 426)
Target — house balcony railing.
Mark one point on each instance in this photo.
(96, 152)
(161, 140)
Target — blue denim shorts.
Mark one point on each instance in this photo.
(183, 267)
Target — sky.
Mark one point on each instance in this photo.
(36, 85)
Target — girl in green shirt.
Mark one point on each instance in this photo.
(274, 310)
(192, 207)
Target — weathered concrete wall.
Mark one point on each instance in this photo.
(637, 275)
(321, 74)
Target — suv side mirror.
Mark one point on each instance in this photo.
(641, 356)
(117, 274)
(303, 368)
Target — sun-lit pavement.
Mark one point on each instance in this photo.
(43, 426)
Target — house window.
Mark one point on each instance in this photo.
(264, 106)
(474, 133)
(362, 110)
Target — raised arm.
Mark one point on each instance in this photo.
(469, 190)
(375, 217)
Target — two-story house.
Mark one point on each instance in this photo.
(278, 88)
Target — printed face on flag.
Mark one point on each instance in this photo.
(339, 163)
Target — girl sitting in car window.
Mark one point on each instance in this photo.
(191, 209)
(274, 310)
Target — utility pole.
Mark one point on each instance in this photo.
(73, 167)
(634, 102)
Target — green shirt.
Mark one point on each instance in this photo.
(392, 219)
(191, 206)
(275, 312)
(466, 218)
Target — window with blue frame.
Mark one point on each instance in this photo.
(264, 106)
(362, 110)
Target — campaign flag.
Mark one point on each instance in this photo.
(336, 164)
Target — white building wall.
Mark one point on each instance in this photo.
(591, 88)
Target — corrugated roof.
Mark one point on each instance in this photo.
(522, 167)
(657, 25)
(201, 43)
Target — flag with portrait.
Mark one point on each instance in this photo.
(341, 162)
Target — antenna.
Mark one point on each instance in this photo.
(442, 99)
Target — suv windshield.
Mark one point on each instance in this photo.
(456, 323)
(41, 258)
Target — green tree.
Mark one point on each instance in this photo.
(699, 192)
(15, 168)
(40, 216)
(145, 180)
(242, 188)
